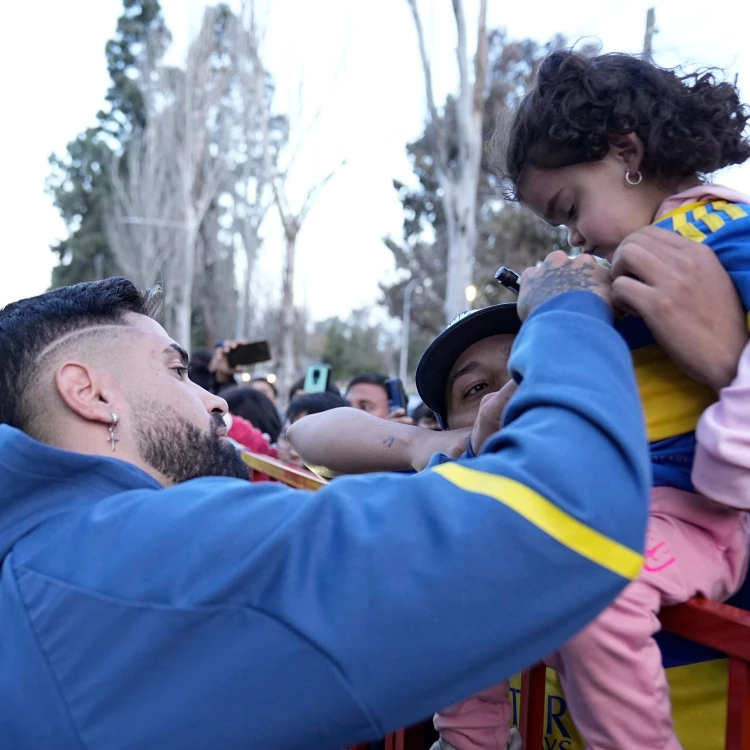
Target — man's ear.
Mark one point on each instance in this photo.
(86, 391)
(629, 150)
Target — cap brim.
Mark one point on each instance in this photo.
(438, 359)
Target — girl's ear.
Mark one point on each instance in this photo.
(629, 150)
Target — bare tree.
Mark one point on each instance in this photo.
(198, 148)
(174, 171)
(458, 169)
(145, 213)
(292, 223)
(263, 136)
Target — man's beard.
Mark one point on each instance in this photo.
(179, 450)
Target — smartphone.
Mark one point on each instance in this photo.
(249, 354)
(316, 379)
(396, 394)
(509, 279)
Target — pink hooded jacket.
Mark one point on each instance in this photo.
(721, 469)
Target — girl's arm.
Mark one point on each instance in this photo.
(350, 441)
(721, 469)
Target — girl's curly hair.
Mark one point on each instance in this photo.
(689, 124)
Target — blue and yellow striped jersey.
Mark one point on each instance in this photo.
(672, 402)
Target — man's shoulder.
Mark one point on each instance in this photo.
(137, 543)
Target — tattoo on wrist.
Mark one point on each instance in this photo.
(389, 441)
(555, 281)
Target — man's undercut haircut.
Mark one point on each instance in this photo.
(32, 327)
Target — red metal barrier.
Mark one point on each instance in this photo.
(718, 626)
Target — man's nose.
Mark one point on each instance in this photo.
(214, 403)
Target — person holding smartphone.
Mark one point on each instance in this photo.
(369, 392)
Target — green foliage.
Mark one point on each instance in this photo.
(354, 346)
(79, 188)
(507, 234)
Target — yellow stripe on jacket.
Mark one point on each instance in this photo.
(547, 517)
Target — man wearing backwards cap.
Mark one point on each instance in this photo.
(465, 363)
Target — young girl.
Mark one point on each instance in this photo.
(606, 145)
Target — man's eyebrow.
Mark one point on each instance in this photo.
(551, 210)
(172, 348)
(464, 371)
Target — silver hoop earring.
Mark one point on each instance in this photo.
(638, 178)
(113, 439)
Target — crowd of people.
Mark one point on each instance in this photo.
(255, 422)
(580, 459)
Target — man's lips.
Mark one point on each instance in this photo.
(222, 432)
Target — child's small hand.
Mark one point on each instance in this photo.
(558, 274)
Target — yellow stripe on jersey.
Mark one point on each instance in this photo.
(731, 209)
(712, 220)
(681, 224)
(679, 210)
(547, 517)
(672, 402)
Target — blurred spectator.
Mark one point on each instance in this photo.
(256, 408)
(266, 387)
(313, 403)
(210, 369)
(298, 389)
(424, 417)
(247, 437)
(367, 392)
(199, 372)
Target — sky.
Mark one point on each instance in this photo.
(355, 62)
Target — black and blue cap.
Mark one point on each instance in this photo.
(462, 332)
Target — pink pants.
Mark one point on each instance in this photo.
(611, 671)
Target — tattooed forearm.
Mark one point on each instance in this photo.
(549, 280)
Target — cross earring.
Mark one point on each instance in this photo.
(112, 439)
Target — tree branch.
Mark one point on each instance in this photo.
(481, 59)
(315, 191)
(435, 119)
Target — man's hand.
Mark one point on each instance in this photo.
(687, 300)
(558, 274)
(400, 416)
(219, 365)
(490, 415)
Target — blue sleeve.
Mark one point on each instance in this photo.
(223, 614)
(725, 228)
(731, 244)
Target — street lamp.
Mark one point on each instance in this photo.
(405, 325)
(471, 294)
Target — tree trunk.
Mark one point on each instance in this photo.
(288, 369)
(251, 244)
(183, 292)
(460, 205)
